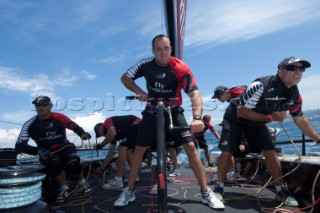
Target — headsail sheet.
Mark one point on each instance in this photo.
(175, 19)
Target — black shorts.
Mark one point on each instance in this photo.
(172, 143)
(147, 128)
(130, 138)
(66, 153)
(258, 137)
(202, 142)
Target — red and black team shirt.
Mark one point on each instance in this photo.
(165, 81)
(205, 128)
(46, 133)
(236, 91)
(122, 124)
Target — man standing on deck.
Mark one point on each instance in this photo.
(114, 129)
(201, 141)
(266, 99)
(166, 76)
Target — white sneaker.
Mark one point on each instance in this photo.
(174, 172)
(209, 198)
(126, 179)
(63, 195)
(146, 170)
(125, 197)
(84, 185)
(284, 195)
(113, 184)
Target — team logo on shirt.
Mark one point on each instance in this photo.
(162, 75)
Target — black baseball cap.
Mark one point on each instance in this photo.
(96, 128)
(218, 91)
(291, 60)
(41, 99)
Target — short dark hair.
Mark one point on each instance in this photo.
(96, 129)
(41, 98)
(158, 36)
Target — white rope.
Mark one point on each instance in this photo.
(20, 191)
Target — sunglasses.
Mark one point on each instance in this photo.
(42, 104)
(294, 68)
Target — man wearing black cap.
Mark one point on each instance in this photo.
(223, 93)
(48, 130)
(118, 128)
(266, 99)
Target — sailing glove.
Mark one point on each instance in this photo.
(44, 153)
(99, 146)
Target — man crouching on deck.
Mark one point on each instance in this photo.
(166, 76)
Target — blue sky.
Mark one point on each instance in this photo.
(76, 51)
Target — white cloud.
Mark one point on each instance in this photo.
(11, 79)
(309, 88)
(8, 138)
(215, 22)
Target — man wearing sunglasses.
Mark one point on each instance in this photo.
(266, 99)
(48, 130)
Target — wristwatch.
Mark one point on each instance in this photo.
(197, 117)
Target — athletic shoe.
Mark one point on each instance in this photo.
(209, 198)
(84, 185)
(113, 184)
(125, 197)
(125, 179)
(231, 175)
(284, 195)
(63, 195)
(218, 191)
(211, 164)
(174, 172)
(146, 170)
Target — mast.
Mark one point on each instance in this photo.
(175, 20)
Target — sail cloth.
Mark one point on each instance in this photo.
(175, 20)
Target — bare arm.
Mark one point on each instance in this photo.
(305, 126)
(246, 113)
(110, 136)
(132, 86)
(196, 100)
(216, 134)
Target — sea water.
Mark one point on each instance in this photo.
(289, 131)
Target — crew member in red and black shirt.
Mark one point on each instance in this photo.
(266, 99)
(118, 128)
(200, 139)
(165, 77)
(48, 130)
(224, 94)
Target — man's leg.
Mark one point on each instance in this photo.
(195, 164)
(206, 153)
(135, 165)
(127, 194)
(224, 166)
(109, 156)
(175, 170)
(273, 166)
(207, 195)
(117, 183)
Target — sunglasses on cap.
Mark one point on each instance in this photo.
(294, 68)
(42, 104)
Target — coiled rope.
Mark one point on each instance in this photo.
(19, 190)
